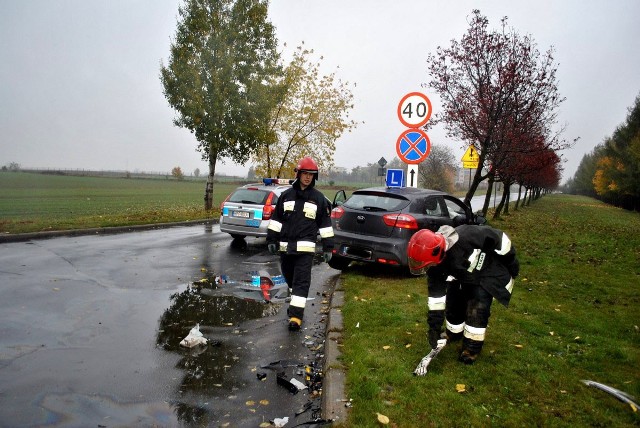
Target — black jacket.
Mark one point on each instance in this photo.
(483, 256)
(299, 217)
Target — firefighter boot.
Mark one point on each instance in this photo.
(467, 357)
(294, 324)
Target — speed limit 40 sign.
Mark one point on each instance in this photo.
(414, 110)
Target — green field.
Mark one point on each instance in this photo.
(31, 202)
(575, 314)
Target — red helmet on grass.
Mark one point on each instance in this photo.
(425, 249)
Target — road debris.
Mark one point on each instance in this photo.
(620, 395)
(194, 338)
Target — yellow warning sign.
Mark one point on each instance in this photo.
(470, 158)
(471, 155)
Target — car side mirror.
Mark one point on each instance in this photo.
(479, 220)
(459, 219)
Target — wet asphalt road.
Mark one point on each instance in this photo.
(90, 329)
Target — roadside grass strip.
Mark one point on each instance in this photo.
(574, 316)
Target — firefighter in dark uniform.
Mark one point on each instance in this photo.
(302, 212)
(468, 266)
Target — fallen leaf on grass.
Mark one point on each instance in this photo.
(519, 346)
(460, 387)
(385, 347)
(382, 419)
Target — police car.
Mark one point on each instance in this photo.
(248, 209)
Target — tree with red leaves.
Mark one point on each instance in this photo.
(499, 94)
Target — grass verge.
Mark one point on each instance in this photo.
(574, 315)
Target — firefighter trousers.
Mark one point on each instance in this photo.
(296, 269)
(467, 315)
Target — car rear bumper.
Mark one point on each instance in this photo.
(386, 250)
(239, 229)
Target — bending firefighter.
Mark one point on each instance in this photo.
(302, 212)
(468, 267)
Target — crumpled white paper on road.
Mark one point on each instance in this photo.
(280, 422)
(194, 338)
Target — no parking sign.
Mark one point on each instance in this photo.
(413, 146)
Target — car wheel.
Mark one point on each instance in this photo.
(236, 236)
(339, 263)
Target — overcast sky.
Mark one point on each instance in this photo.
(79, 84)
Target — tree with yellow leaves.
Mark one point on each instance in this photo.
(313, 114)
(617, 176)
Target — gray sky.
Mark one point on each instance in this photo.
(80, 88)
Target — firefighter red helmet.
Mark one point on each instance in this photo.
(425, 249)
(307, 164)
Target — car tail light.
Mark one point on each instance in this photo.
(387, 261)
(267, 209)
(403, 221)
(224, 202)
(337, 212)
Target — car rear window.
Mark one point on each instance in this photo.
(249, 196)
(376, 202)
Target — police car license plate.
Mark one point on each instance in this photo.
(241, 214)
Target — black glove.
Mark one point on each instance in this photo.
(433, 337)
(272, 249)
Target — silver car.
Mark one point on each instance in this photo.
(248, 209)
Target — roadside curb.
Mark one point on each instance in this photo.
(19, 237)
(333, 395)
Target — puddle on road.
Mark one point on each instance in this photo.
(217, 302)
(218, 306)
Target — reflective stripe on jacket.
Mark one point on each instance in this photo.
(299, 217)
